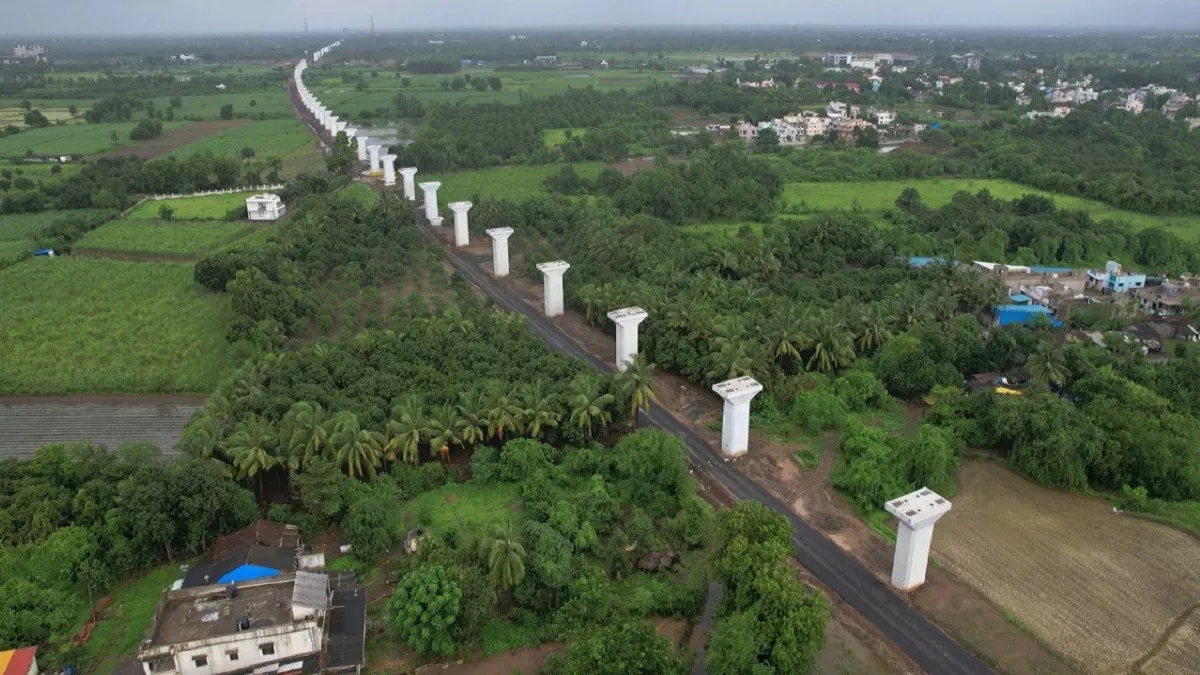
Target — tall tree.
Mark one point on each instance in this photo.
(589, 406)
(357, 451)
(504, 556)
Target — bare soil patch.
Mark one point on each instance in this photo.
(1101, 588)
(173, 140)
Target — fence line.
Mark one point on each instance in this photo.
(227, 191)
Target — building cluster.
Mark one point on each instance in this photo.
(36, 52)
(259, 603)
(796, 129)
(869, 62)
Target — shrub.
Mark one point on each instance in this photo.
(146, 129)
(423, 609)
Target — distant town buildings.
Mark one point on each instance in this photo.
(36, 52)
(969, 61)
(545, 60)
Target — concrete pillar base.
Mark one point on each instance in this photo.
(500, 237)
(462, 237)
(627, 321)
(735, 424)
(553, 286)
(917, 512)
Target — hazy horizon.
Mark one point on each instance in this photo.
(208, 17)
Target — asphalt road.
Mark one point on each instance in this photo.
(895, 619)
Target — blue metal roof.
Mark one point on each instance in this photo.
(1024, 314)
(1020, 299)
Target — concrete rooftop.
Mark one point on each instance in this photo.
(915, 508)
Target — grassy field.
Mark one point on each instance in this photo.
(71, 139)
(271, 102)
(43, 172)
(513, 182)
(341, 95)
(210, 207)
(1103, 601)
(361, 192)
(880, 196)
(459, 506)
(257, 239)
(116, 638)
(288, 139)
(15, 230)
(184, 238)
(555, 137)
(73, 325)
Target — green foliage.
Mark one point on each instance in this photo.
(522, 458)
(370, 527)
(649, 467)
(164, 237)
(423, 608)
(874, 467)
(629, 648)
(146, 129)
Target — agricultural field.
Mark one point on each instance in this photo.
(15, 116)
(72, 325)
(72, 139)
(879, 196)
(209, 207)
(42, 172)
(16, 230)
(171, 238)
(341, 95)
(555, 137)
(286, 138)
(512, 182)
(273, 102)
(1101, 588)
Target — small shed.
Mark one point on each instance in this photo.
(265, 207)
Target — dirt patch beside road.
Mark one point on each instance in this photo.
(173, 140)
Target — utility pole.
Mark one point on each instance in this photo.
(306, 26)
(372, 27)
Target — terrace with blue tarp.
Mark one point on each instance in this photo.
(1024, 315)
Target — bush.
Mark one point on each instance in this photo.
(146, 129)
(423, 609)
(165, 212)
(523, 457)
(819, 410)
(500, 635)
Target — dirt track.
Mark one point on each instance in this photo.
(28, 422)
(173, 140)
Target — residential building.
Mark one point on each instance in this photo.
(835, 110)
(265, 207)
(814, 126)
(545, 60)
(1175, 104)
(768, 83)
(264, 549)
(21, 661)
(1168, 299)
(1024, 100)
(288, 624)
(969, 61)
(1114, 279)
(876, 82)
(849, 127)
(1135, 106)
(863, 63)
(746, 131)
(29, 52)
(839, 59)
(884, 117)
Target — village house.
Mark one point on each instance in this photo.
(848, 128)
(1114, 279)
(21, 661)
(1169, 299)
(265, 207)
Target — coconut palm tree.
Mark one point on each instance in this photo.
(501, 411)
(539, 410)
(473, 413)
(734, 358)
(356, 450)
(873, 329)
(202, 438)
(442, 429)
(1048, 365)
(403, 437)
(786, 338)
(252, 448)
(637, 382)
(589, 407)
(304, 432)
(504, 556)
(833, 347)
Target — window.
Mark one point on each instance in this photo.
(267, 648)
(200, 661)
(232, 655)
(162, 666)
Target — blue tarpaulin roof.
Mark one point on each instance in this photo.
(1024, 315)
(1020, 299)
(247, 572)
(1051, 270)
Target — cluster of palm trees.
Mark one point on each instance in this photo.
(491, 413)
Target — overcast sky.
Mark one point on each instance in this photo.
(50, 17)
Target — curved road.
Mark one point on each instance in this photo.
(895, 619)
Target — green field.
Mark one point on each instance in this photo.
(463, 506)
(210, 207)
(343, 98)
(183, 238)
(71, 139)
(360, 192)
(271, 102)
(72, 325)
(555, 137)
(116, 638)
(282, 138)
(879, 196)
(16, 230)
(257, 239)
(512, 182)
(43, 172)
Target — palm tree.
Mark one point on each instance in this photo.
(501, 412)
(473, 414)
(733, 358)
(589, 407)
(442, 428)
(637, 382)
(304, 432)
(873, 329)
(833, 347)
(1048, 365)
(539, 409)
(356, 450)
(456, 322)
(786, 338)
(252, 448)
(404, 431)
(505, 557)
(201, 439)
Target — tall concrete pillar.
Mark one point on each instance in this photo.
(431, 204)
(332, 125)
(409, 174)
(339, 128)
(362, 146)
(552, 291)
(500, 237)
(735, 424)
(351, 132)
(462, 236)
(627, 321)
(374, 152)
(389, 169)
(917, 513)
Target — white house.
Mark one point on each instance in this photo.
(835, 110)
(884, 117)
(265, 207)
